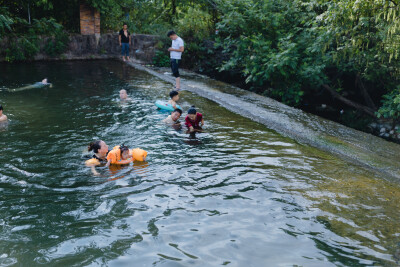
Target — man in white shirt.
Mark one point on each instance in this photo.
(176, 50)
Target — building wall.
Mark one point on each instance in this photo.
(89, 20)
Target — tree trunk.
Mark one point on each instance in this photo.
(350, 103)
(364, 92)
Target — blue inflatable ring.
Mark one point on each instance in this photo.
(165, 105)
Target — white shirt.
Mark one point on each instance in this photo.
(176, 44)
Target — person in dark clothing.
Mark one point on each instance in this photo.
(124, 41)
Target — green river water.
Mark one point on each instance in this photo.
(237, 195)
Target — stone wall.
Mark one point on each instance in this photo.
(142, 47)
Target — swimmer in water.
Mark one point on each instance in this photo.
(123, 95)
(174, 117)
(41, 84)
(174, 98)
(100, 149)
(2, 116)
(119, 156)
(194, 120)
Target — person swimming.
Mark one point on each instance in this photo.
(174, 117)
(123, 95)
(174, 95)
(3, 117)
(120, 155)
(41, 84)
(100, 149)
(194, 120)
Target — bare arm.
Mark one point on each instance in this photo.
(94, 172)
(119, 39)
(181, 49)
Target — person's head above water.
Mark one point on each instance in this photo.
(98, 147)
(192, 113)
(172, 35)
(124, 151)
(176, 114)
(123, 94)
(45, 81)
(174, 95)
(1, 110)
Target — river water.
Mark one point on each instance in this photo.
(238, 195)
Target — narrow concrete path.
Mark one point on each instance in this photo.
(357, 147)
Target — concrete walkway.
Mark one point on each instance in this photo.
(357, 147)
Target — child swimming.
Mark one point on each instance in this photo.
(119, 155)
(194, 120)
(174, 98)
(2, 116)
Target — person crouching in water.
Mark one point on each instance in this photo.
(4, 117)
(119, 156)
(173, 119)
(194, 120)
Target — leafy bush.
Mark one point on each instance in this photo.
(161, 59)
(22, 49)
(56, 45)
(391, 106)
(26, 46)
(5, 21)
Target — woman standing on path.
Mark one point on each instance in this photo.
(124, 41)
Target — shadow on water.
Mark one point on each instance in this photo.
(239, 194)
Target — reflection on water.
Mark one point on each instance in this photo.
(238, 194)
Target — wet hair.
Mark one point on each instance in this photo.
(173, 93)
(192, 110)
(177, 110)
(123, 148)
(95, 146)
(1, 107)
(170, 33)
(125, 24)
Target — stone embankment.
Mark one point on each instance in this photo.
(142, 47)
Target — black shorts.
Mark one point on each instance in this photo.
(175, 67)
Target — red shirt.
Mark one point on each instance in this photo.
(195, 123)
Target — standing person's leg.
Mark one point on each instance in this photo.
(175, 72)
(178, 79)
(123, 51)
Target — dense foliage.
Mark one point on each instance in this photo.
(293, 51)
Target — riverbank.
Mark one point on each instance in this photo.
(355, 146)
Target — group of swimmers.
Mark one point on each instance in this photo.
(194, 120)
(121, 155)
